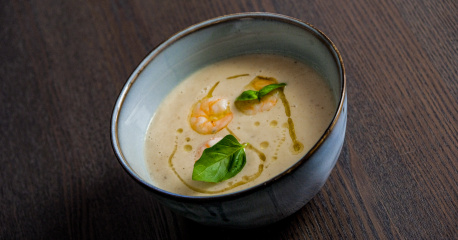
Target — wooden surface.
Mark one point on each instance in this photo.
(63, 64)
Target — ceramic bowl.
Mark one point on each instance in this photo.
(207, 42)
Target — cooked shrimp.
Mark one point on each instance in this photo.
(205, 145)
(266, 103)
(210, 115)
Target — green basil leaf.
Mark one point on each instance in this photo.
(252, 94)
(248, 95)
(269, 88)
(221, 161)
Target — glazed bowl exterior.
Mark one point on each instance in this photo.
(202, 44)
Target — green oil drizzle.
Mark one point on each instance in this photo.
(297, 146)
(210, 93)
(245, 179)
(240, 75)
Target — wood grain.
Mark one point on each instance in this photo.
(63, 63)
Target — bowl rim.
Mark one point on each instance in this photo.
(203, 25)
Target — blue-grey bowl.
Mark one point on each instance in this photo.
(207, 42)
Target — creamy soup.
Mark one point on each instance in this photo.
(277, 137)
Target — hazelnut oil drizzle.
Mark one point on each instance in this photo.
(245, 179)
(210, 93)
(237, 76)
(296, 147)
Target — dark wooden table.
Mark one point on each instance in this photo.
(63, 64)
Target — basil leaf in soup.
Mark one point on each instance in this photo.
(269, 88)
(252, 94)
(221, 161)
(248, 95)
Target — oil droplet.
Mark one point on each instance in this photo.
(188, 139)
(187, 148)
(297, 147)
(257, 123)
(275, 157)
(273, 123)
(285, 125)
(179, 130)
(264, 145)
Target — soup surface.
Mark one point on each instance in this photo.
(277, 138)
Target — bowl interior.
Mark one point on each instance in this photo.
(202, 44)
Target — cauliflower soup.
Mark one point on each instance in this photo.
(277, 130)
